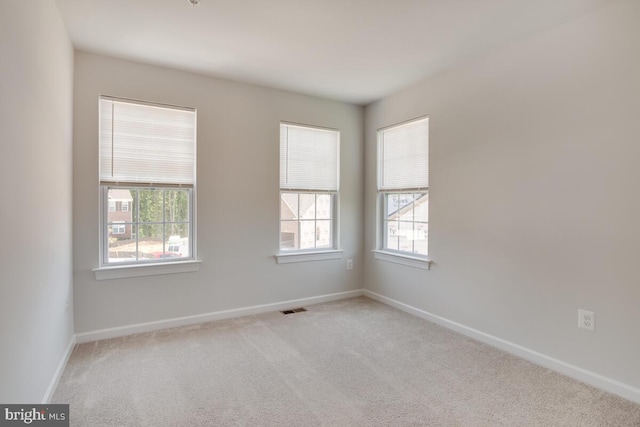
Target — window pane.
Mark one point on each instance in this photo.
(288, 206)
(323, 206)
(405, 236)
(421, 207)
(391, 204)
(307, 206)
(307, 234)
(176, 205)
(405, 207)
(150, 241)
(399, 207)
(122, 247)
(116, 198)
(177, 245)
(150, 205)
(391, 230)
(420, 242)
(323, 234)
(289, 235)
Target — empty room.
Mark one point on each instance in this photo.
(323, 213)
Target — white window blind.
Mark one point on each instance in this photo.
(143, 143)
(404, 156)
(308, 158)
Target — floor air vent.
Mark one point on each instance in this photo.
(293, 310)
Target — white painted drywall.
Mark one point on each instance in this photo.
(534, 207)
(36, 84)
(237, 197)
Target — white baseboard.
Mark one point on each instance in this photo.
(102, 334)
(575, 372)
(59, 370)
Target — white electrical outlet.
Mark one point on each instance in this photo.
(586, 320)
(349, 264)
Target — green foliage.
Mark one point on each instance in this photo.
(154, 207)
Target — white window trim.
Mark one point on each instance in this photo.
(150, 269)
(316, 255)
(423, 263)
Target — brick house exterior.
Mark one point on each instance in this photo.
(120, 213)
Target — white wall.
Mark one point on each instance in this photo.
(237, 197)
(36, 86)
(534, 193)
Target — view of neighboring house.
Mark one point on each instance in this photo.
(407, 223)
(120, 213)
(305, 221)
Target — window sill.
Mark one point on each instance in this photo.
(285, 258)
(123, 271)
(398, 258)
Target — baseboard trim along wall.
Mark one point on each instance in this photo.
(575, 372)
(209, 317)
(59, 370)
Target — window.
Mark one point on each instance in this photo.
(118, 227)
(309, 165)
(147, 179)
(403, 187)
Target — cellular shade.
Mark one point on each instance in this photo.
(403, 155)
(308, 158)
(147, 144)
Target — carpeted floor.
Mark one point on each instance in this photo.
(354, 362)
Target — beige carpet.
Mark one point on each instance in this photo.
(348, 363)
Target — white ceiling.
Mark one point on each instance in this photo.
(350, 50)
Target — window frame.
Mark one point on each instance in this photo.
(119, 269)
(118, 224)
(334, 232)
(333, 251)
(385, 235)
(104, 235)
(382, 250)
